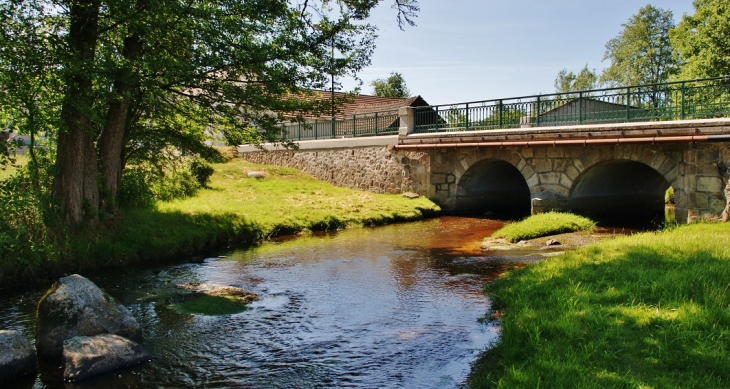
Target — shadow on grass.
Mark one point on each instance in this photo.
(152, 235)
(613, 316)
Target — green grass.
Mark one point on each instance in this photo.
(239, 210)
(20, 160)
(210, 306)
(543, 224)
(646, 311)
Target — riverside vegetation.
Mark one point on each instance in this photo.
(647, 310)
(230, 208)
(544, 224)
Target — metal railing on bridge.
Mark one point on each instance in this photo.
(696, 99)
(366, 124)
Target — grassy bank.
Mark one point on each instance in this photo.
(234, 209)
(650, 310)
(543, 224)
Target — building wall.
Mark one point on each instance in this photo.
(373, 168)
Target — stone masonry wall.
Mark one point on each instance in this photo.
(691, 169)
(374, 168)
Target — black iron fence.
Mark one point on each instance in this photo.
(695, 99)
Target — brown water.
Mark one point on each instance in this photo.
(387, 307)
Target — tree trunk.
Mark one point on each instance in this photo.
(111, 142)
(76, 184)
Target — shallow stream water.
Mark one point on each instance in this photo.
(387, 307)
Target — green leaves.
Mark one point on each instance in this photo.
(393, 86)
(641, 54)
(702, 40)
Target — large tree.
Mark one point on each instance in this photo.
(139, 76)
(393, 86)
(702, 40)
(567, 81)
(641, 53)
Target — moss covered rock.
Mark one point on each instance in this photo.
(75, 306)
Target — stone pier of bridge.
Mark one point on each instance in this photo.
(592, 169)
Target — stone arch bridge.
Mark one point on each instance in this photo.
(603, 170)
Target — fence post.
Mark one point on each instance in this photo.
(501, 111)
(537, 114)
(354, 124)
(407, 120)
(315, 129)
(299, 131)
(467, 117)
(682, 116)
(580, 107)
(628, 105)
(376, 123)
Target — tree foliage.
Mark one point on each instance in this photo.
(642, 53)
(567, 81)
(702, 40)
(121, 82)
(393, 86)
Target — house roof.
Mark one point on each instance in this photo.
(367, 103)
(571, 102)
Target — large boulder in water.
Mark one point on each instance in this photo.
(75, 306)
(86, 356)
(17, 356)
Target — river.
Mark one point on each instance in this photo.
(387, 307)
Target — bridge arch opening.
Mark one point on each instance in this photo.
(621, 193)
(494, 187)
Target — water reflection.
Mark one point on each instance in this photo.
(389, 307)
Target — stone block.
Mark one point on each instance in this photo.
(542, 165)
(527, 171)
(671, 176)
(698, 200)
(533, 180)
(566, 181)
(717, 205)
(521, 164)
(464, 164)
(710, 184)
(550, 178)
(555, 152)
(527, 152)
(578, 163)
(438, 178)
(539, 152)
(572, 173)
(559, 165)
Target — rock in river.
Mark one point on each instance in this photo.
(17, 356)
(75, 306)
(86, 356)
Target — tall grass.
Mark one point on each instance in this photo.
(544, 224)
(648, 311)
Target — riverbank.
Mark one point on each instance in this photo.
(647, 310)
(235, 209)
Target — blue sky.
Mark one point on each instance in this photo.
(469, 50)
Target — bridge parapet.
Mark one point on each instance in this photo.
(712, 130)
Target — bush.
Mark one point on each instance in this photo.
(25, 240)
(201, 171)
